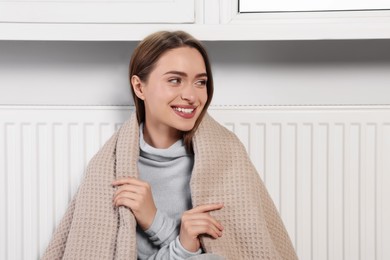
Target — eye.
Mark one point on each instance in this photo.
(201, 82)
(175, 80)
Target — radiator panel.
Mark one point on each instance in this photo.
(326, 168)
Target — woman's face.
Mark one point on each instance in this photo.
(175, 92)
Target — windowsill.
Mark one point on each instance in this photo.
(307, 29)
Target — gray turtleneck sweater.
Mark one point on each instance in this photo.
(168, 171)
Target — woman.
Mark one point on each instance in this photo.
(172, 87)
(181, 184)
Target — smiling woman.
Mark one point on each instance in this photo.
(173, 95)
(172, 183)
(180, 70)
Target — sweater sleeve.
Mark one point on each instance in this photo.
(163, 229)
(164, 232)
(173, 251)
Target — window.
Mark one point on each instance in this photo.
(256, 6)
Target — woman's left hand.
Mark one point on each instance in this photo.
(137, 196)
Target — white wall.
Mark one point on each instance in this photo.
(325, 166)
(250, 73)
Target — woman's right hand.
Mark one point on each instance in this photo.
(197, 221)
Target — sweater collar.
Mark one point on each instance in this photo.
(175, 151)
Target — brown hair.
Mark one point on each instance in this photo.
(146, 55)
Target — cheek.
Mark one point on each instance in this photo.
(203, 96)
(159, 93)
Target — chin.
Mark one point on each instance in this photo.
(185, 127)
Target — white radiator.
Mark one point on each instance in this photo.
(326, 168)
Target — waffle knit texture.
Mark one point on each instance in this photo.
(93, 229)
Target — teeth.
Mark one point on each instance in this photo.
(184, 110)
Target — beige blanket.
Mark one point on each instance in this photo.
(93, 229)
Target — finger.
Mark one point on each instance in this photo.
(120, 181)
(206, 208)
(204, 217)
(128, 180)
(127, 202)
(208, 225)
(204, 229)
(124, 196)
(128, 187)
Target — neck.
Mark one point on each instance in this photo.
(160, 138)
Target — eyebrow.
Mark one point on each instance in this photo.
(183, 74)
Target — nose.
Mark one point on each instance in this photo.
(189, 94)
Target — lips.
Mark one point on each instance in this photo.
(187, 112)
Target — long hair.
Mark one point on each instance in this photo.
(146, 55)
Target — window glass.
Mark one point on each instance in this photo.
(246, 6)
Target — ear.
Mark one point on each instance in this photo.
(138, 87)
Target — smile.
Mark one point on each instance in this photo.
(185, 112)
